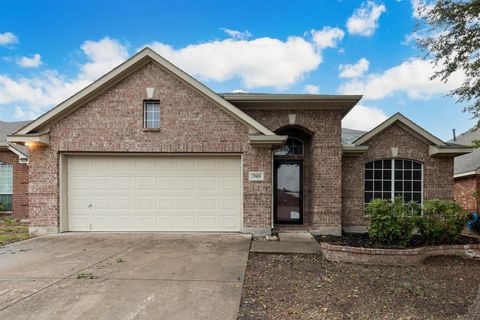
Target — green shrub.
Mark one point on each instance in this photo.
(392, 223)
(442, 221)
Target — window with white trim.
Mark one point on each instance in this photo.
(6, 186)
(390, 178)
(151, 114)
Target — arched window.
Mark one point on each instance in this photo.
(389, 178)
(293, 147)
(6, 186)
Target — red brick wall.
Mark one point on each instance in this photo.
(113, 122)
(20, 184)
(437, 171)
(322, 174)
(463, 189)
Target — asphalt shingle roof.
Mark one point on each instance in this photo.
(471, 161)
(7, 128)
(350, 135)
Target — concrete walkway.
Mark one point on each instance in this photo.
(288, 242)
(135, 277)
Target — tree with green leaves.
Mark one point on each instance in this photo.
(449, 32)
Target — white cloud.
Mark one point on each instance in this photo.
(421, 7)
(34, 95)
(328, 37)
(354, 70)
(412, 77)
(237, 34)
(8, 38)
(311, 89)
(363, 118)
(33, 62)
(364, 20)
(261, 62)
(104, 55)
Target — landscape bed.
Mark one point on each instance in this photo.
(359, 248)
(310, 287)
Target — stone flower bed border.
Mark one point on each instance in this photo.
(402, 257)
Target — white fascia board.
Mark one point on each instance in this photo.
(449, 151)
(38, 139)
(266, 141)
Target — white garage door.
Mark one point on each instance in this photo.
(181, 193)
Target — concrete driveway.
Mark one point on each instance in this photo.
(136, 276)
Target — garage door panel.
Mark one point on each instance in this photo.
(145, 222)
(186, 202)
(124, 202)
(167, 184)
(144, 184)
(102, 184)
(121, 164)
(79, 183)
(208, 222)
(230, 184)
(123, 184)
(101, 166)
(186, 183)
(145, 202)
(145, 165)
(185, 165)
(171, 193)
(165, 202)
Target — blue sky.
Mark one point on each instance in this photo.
(51, 49)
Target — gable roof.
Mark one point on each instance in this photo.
(407, 124)
(469, 163)
(134, 63)
(7, 128)
(354, 142)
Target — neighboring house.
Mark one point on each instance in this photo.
(467, 172)
(13, 174)
(149, 148)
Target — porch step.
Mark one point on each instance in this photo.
(289, 242)
(296, 236)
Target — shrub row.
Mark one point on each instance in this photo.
(395, 223)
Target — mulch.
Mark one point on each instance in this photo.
(363, 240)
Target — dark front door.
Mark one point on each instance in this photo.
(288, 196)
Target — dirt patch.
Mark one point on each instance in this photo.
(309, 287)
(363, 240)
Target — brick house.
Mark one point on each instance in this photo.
(13, 174)
(149, 148)
(467, 171)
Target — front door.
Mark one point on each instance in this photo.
(288, 197)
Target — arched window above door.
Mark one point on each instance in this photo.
(293, 147)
